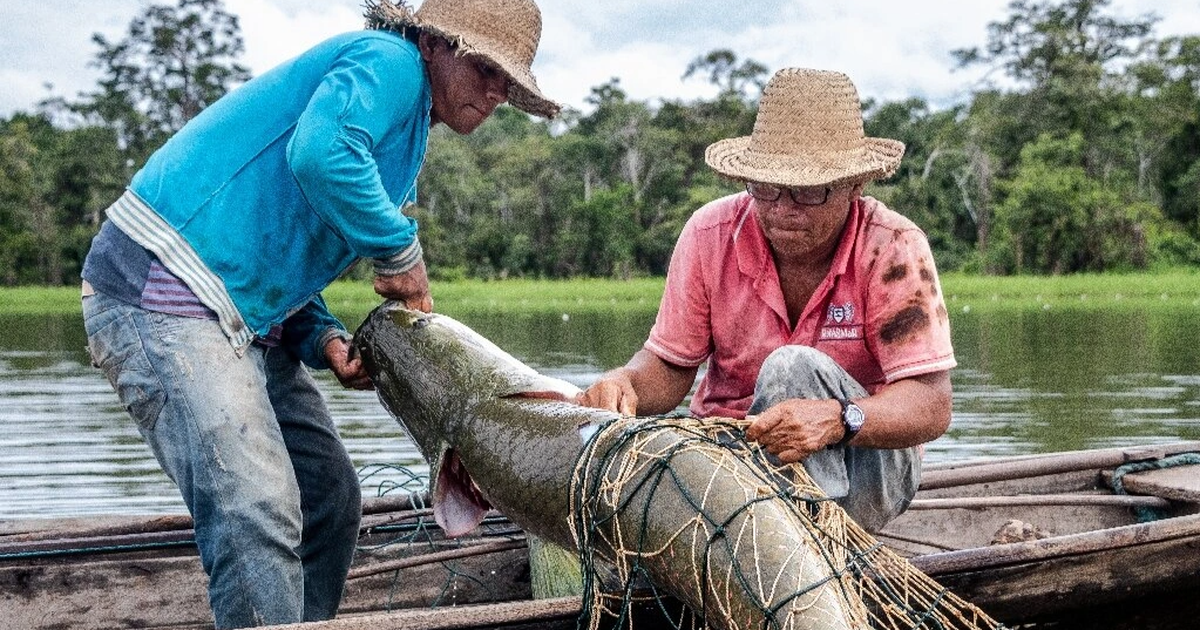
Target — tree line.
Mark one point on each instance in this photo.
(1087, 159)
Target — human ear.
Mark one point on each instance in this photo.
(426, 43)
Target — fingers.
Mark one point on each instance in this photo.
(347, 365)
(789, 430)
(359, 382)
(423, 303)
(763, 424)
(791, 456)
(610, 394)
(627, 403)
(354, 376)
(410, 287)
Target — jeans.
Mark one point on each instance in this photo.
(250, 444)
(874, 486)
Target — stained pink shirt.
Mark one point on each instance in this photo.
(879, 312)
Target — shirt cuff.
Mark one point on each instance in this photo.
(401, 262)
(329, 335)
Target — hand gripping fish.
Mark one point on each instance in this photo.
(698, 521)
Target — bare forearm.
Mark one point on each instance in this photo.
(661, 386)
(902, 414)
(646, 385)
(906, 413)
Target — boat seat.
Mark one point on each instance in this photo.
(1178, 483)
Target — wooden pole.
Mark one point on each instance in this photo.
(1039, 499)
(437, 556)
(528, 613)
(1052, 464)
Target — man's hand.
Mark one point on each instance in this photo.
(348, 369)
(410, 287)
(797, 428)
(613, 391)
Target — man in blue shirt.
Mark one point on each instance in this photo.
(202, 289)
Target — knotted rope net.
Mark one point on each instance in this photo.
(689, 509)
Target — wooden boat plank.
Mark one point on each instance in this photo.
(1120, 454)
(540, 613)
(172, 591)
(1052, 586)
(1180, 483)
(1053, 500)
(28, 530)
(1050, 464)
(1181, 533)
(1076, 481)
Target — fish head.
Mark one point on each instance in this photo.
(431, 371)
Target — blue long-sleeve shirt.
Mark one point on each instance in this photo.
(272, 192)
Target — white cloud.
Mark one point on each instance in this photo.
(892, 50)
(274, 31)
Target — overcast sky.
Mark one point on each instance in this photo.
(892, 49)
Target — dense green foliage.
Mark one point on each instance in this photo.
(1087, 160)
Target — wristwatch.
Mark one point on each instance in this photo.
(853, 418)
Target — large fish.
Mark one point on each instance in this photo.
(497, 433)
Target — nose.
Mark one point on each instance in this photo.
(497, 89)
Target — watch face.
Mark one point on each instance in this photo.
(853, 417)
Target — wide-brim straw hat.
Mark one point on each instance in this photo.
(504, 32)
(808, 132)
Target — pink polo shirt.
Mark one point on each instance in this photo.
(879, 313)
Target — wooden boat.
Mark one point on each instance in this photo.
(1072, 549)
(1046, 537)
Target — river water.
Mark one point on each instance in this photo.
(1030, 380)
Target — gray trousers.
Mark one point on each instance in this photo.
(873, 485)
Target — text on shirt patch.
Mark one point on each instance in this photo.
(840, 324)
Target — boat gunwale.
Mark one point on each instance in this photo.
(1178, 528)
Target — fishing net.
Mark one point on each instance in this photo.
(760, 544)
(404, 560)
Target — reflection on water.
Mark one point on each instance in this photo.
(1027, 382)
(1064, 379)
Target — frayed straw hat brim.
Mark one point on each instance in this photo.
(524, 93)
(878, 158)
(504, 33)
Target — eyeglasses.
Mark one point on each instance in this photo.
(811, 196)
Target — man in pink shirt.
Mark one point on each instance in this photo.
(818, 310)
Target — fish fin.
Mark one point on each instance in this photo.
(538, 386)
(458, 507)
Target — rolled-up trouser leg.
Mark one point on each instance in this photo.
(873, 485)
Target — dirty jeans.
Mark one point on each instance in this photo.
(873, 485)
(251, 446)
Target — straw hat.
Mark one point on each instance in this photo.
(808, 132)
(504, 32)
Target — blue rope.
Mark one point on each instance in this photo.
(1149, 514)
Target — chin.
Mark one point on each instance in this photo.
(468, 122)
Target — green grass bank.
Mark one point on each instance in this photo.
(1174, 288)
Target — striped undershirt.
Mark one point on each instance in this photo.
(164, 292)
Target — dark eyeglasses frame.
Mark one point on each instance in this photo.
(772, 193)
